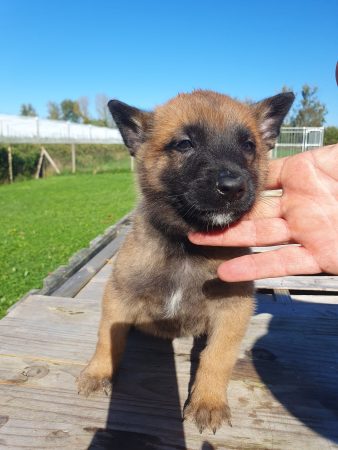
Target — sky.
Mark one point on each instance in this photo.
(144, 52)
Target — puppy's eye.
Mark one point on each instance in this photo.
(183, 145)
(249, 147)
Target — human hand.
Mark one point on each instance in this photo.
(306, 214)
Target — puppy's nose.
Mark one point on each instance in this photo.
(230, 185)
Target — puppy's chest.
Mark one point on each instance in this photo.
(182, 291)
(173, 303)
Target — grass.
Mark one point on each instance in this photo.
(44, 222)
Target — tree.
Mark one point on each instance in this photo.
(311, 112)
(104, 116)
(83, 103)
(70, 110)
(27, 110)
(331, 135)
(54, 112)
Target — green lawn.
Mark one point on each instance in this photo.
(44, 222)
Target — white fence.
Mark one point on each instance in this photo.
(294, 140)
(16, 129)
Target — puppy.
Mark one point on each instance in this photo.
(201, 164)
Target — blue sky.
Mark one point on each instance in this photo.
(144, 52)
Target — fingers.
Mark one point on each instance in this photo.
(267, 206)
(276, 263)
(324, 157)
(247, 233)
(274, 175)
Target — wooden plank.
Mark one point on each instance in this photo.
(95, 287)
(269, 248)
(66, 329)
(283, 390)
(301, 306)
(73, 157)
(145, 419)
(51, 327)
(50, 160)
(35, 413)
(10, 164)
(282, 296)
(38, 169)
(302, 282)
(317, 299)
(43, 410)
(103, 275)
(77, 281)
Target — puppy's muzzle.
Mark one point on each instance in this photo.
(230, 185)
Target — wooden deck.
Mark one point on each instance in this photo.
(283, 393)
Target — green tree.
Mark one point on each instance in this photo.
(54, 112)
(311, 112)
(27, 110)
(70, 110)
(331, 135)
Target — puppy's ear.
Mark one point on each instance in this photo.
(271, 113)
(133, 123)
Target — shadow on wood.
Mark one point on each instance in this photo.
(298, 361)
(198, 346)
(145, 410)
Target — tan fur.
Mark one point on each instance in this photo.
(201, 106)
(148, 269)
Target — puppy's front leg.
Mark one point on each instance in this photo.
(208, 406)
(111, 343)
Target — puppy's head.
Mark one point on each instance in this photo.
(202, 157)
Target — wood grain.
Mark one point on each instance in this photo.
(283, 390)
(300, 282)
(73, 284)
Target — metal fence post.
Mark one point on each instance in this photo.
(304, 140)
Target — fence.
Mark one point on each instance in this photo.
(16, 129)
(294, 140)
(33, 130)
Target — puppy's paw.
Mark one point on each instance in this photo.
(88, 383)
(208, 415)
